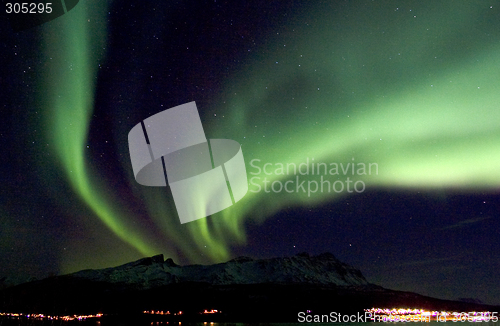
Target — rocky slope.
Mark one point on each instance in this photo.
(152, 272)
(244, 289)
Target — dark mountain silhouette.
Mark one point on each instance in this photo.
(244, 289)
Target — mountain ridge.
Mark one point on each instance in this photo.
(245, 289)
(154, 271)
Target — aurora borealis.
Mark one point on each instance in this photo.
(413, 87)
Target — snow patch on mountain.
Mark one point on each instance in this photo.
(151, 272)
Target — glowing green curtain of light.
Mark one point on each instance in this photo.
(416, 92)
(72, 51)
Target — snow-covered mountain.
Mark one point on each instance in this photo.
(243, 288)
(152, 272)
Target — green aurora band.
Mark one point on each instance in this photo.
(416, 92)
(418, 96)
(70, 89)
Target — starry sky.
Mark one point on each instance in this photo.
(410, 88)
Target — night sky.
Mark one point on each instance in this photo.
(410, 87)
